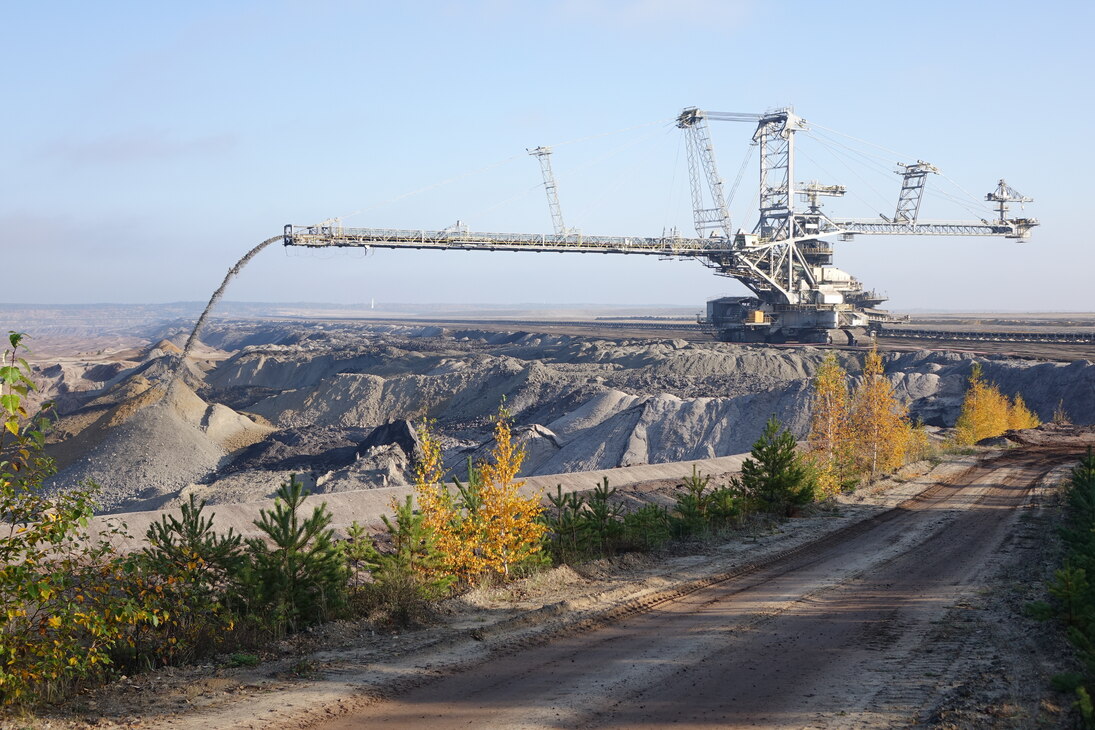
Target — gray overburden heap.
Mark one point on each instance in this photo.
(336, 404)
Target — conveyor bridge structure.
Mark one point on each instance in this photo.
(786, 260)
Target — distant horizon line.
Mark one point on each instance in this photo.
(483, 305)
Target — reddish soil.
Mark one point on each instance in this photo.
(899, 605)
(841, 633)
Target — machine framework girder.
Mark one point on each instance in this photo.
(913, 179)
(785, 262)
(461, 239)
(759, 267)
(1016, 228)
(710, 217)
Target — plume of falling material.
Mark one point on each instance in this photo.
(208, 308)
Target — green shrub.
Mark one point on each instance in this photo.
(62, 589)
(1072, 591)
(397, 587)
(361, 557)
(567, 537)
(195, 573)
(704, 510)
(647, 528)
(580, 527)
(726, 506)
(242, 659)
(691, 510)
(603, 517)
(775, 477)
(1084, 705)
(296, 576)
(1066, 681)
(1039, 611)
(1078, 534)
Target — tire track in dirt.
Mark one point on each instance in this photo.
(830, 628)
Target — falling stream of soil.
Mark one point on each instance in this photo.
(209, 307)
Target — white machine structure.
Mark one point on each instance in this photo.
(786, 261)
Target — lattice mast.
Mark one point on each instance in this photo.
(913, 178)
(543, 154)
(776, 137)
(712, 218)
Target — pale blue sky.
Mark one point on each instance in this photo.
(146, 146)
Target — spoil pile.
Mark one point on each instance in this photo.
(141, 447)
(321, 401)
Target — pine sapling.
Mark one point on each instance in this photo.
(774, 475)
(298, 573)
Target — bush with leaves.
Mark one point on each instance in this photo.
(986, 412)
(1071, 586)
(774, 477)
(60, 585)
(297, 574)
(195, 572)
(403, 582)
(486, 529)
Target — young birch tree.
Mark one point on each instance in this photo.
(440, 512)
(484, 528)
(830, 426)
(513, 534)
(880, 428)
(986, 412)
(1019, 416)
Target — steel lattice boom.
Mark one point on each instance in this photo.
(461, 239)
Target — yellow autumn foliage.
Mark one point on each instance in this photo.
(986, 412)
(880, 426)
(865, 432)
(830, 426)
(484, 528)
(1020, 416)
(919, 445)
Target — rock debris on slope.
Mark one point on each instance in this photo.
(327, 402)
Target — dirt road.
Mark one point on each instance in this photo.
(848, 632)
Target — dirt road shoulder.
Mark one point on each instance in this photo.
(345, 666)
